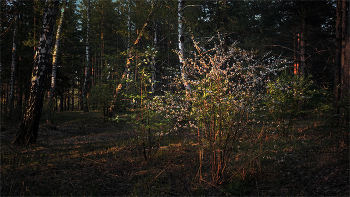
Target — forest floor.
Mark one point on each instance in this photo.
(80, 155)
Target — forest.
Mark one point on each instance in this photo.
(174, 97)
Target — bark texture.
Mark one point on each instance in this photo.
(342, 57)
(27, 132)
(54, 66)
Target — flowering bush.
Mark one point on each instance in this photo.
(223, 90)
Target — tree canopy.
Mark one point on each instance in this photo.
(127, 37)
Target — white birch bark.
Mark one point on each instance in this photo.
(27, 132)
(182, 44)
(54, 67)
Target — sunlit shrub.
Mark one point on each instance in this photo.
(291, 96)
(226, 87)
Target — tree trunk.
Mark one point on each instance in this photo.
(342, 61)
(61, 102)
(337, 59)
(302, 49)
(54, 66)
(302, 41)
(68, 100)
(27, 132)
(181, 41)
(0, 70)
(85, 85)
(345, 63)
(296, 56)
(129, 57)
(153, 77)
(13, 68)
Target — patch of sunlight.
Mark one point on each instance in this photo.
(113, 150)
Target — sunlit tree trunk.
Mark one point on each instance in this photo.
(181, 41)
(181, 32)
(13, 66)
(85, 84)
(302, 43)
(296, 56)
(54, 66)
(27, 132)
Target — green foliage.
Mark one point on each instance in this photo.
(102, 95)
(289, 97)
(219, 107)
(150, 125)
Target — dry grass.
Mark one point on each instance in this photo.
(85, 156)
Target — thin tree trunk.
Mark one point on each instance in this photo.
(155, 42)
(129, 57)
(27, 132)
(345, 51)
(13, 67)
(126, 73)
(72, 96)
(0, 71)
(61, 102)
(85, 85)
(68, 100)
(337, 59)
(54, 66)
(302, 42)
(181, 41)
(296, 57)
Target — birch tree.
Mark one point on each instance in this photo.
(181, 41)
(54, 67)
(27, 132)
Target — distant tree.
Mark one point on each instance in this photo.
(13, 64)
(84, 105)
(27, 132)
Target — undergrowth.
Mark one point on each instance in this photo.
(102, 161)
